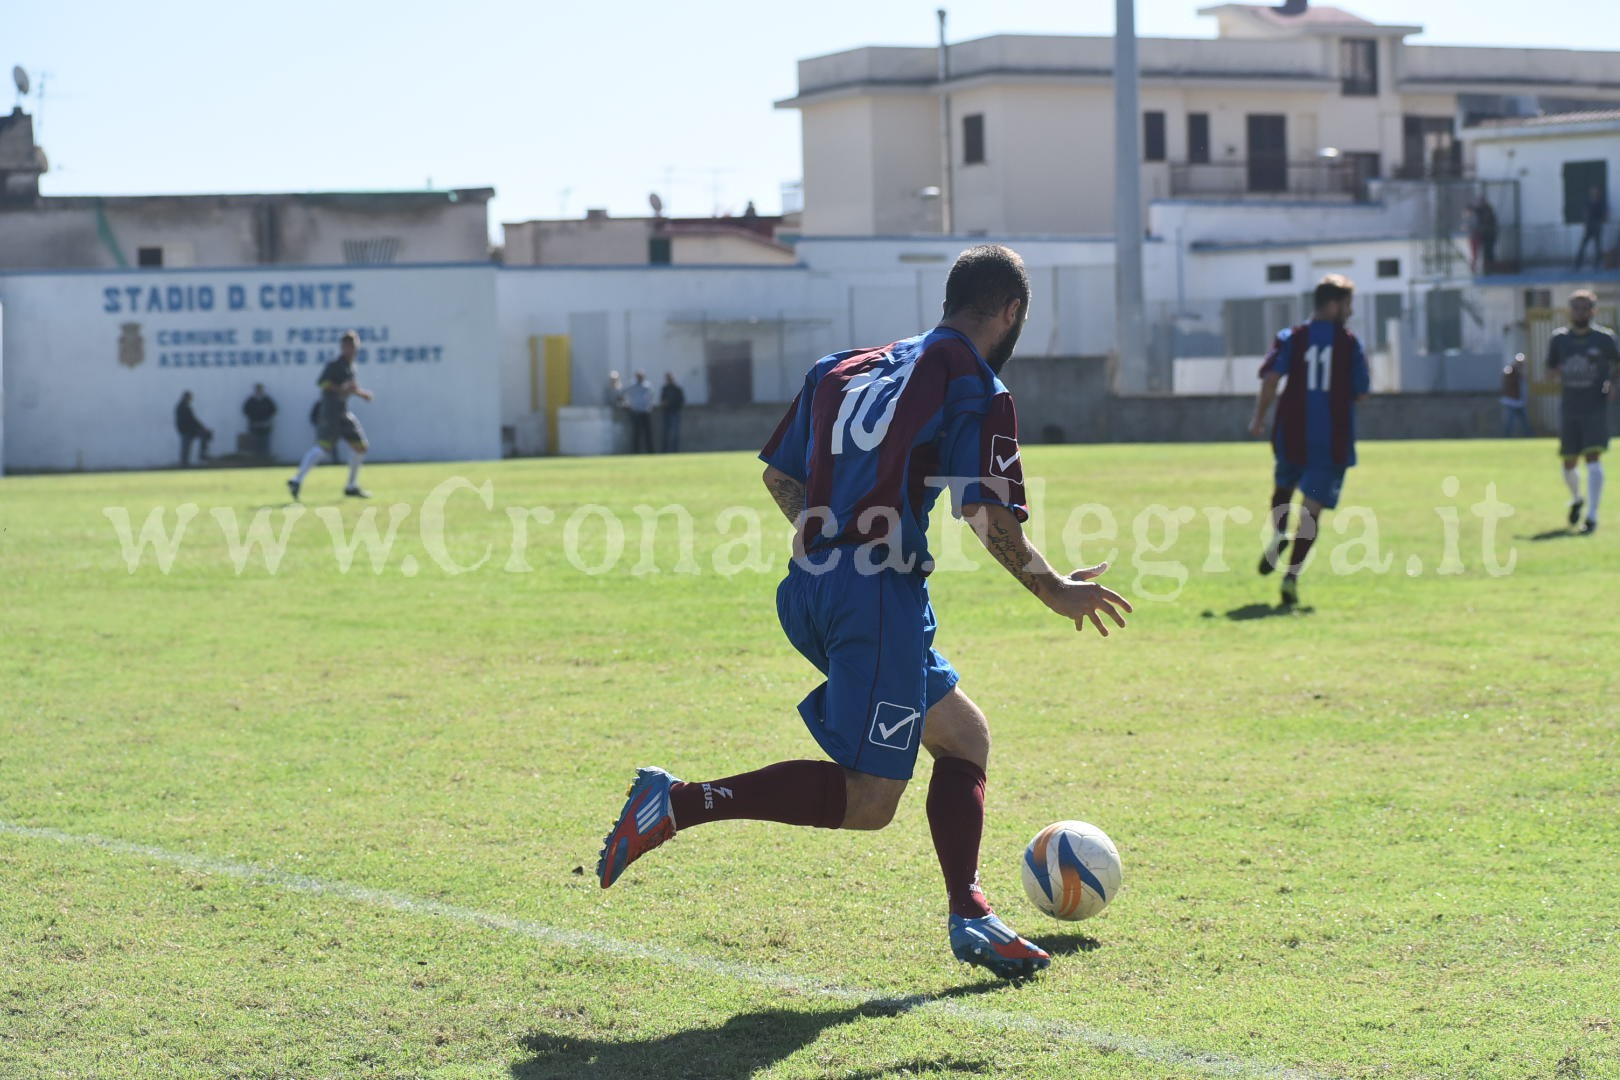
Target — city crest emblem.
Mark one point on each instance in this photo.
(131, 346)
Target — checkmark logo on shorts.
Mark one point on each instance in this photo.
(892, 725)
(1004, 453)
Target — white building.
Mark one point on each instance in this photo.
(1249, 114)
(1554, 162)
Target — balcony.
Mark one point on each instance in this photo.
(1337, 180)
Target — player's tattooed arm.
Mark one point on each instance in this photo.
(1003, 537)
(788, 493)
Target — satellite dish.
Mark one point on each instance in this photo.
(656, 203)
(20, 77)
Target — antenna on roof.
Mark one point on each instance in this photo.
(20, 77)
(1292, 7)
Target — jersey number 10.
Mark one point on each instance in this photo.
(868, 406)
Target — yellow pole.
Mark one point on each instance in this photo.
(559, 384)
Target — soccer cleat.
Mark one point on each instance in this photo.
(646, 821)
(991, 944)
(1273, 555)
(1575, 508)
(357, 492)
(293, 486)
(1290, 591)
(1590, 527)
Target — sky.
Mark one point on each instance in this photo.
(560, 105)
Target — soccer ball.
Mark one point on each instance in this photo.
(1071, 870)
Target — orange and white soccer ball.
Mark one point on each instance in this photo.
(1071, 870)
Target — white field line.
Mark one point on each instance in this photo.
(1151, 1050)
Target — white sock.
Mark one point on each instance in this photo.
(1594, 488)
(354, 469)
(312, 458)
(1574, 483)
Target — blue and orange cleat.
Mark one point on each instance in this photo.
(645, 822)
(991, 943)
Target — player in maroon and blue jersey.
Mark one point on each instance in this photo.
(873, 438)
(1314, 436)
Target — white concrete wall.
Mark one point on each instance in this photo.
(73, 399)
(849, 293)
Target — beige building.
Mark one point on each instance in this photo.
(599, 239)
(1275, 107)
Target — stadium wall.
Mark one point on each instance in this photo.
(96, 361)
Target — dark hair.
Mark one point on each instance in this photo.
(984, 280)
(1334, 287)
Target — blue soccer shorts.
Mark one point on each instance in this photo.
(872, 636)
(1321, 483)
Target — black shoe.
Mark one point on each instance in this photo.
(357, 492)
(1590, 527)
(1575, 511)
(293, 486)
(1273, 555)
(1290, 591)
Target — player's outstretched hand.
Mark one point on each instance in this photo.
(1081, 598)
(1257, 428)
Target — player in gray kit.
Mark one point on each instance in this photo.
(1585, 359)
(334, 421)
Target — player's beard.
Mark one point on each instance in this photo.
(1004, 348)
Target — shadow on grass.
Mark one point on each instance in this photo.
(1565, 533)
(1066, 944)
(741, 1047)
(1264, 611)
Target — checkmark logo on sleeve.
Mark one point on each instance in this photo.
(1004, 454)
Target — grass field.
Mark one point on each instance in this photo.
(317, 823)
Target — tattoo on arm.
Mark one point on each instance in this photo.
(789, 496)
(1012, 551)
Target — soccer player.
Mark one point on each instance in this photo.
(334, 421)
(856, 463)
(1584, 358)
(1314, 436)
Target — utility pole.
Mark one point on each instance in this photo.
(947, 213)
(1130, 317)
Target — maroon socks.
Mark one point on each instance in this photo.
(956, 820)
(792, 792)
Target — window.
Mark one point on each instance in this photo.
(1430, 146)
(729, 366)
(1580, 177)
(973, 139)
(1389, 268)
(1386, 307)
(1444, 310)
(1280, 272)
(660, 250)
(1153, 136)
(149, 256)
(1198, 138)
(371, 252)
(1358, 67)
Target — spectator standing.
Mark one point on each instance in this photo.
(1481, 235)
(191, 430)
(1515, 398)
(1597, 214)
(672, 399)
(260, 410)
(638, 399)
